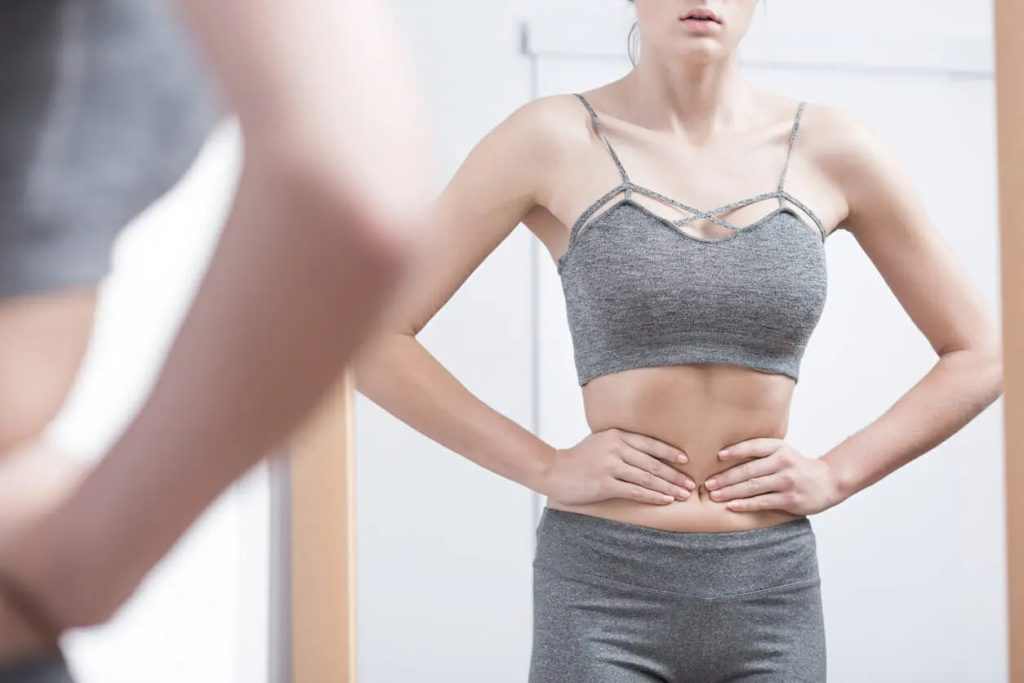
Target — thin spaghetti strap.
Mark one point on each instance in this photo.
(789, 150)
(611, 150)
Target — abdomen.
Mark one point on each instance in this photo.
(699, 408)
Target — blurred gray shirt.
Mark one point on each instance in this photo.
(103, 106)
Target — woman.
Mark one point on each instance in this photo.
(676, 543)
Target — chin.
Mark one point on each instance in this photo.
(699, 51)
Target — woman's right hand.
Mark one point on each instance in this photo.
(614, 463)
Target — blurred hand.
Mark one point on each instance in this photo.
(779, 478)
(34, 481)
(614, 463)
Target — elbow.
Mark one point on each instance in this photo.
(981, 366)
(319, 194)
(90, 594)
(49, 607)
(348, 220)
(989, 371)
(88, 612)
(376, 361)
(995, 365)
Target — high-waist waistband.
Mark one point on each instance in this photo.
(699, 564)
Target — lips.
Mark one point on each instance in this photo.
(702, 14)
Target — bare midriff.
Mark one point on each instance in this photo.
(700, 409)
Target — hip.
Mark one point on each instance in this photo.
(708, 565)
(620, 602)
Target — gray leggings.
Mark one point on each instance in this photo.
(622, 603)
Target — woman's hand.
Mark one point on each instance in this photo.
(779, 479)
(614, 463)
(33, 481)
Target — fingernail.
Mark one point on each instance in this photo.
(683, 492)
(690, 484)
(724, 451)
(681, 457)
(710, 484)
(715, 495)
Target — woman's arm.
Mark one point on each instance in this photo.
(503, 179)
(889, 221)
(331, 193)
(492, 191)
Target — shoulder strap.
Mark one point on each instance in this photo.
(792, 139)
(600, 131)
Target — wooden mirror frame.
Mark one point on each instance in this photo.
(1009, 19)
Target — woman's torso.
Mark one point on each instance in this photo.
(697, 407)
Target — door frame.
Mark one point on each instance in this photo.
(1009, 17)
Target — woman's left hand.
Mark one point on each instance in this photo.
(779, 478)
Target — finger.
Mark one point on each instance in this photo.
(742, 472)
(659, 449)
(622, 489)
(641, 477)
(757, 447)
(767, 501)
(749, 488)
(651, 464)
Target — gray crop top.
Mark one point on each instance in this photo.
(642, 292)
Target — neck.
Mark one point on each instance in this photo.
(696, 98)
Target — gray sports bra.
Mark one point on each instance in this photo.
(641, 292)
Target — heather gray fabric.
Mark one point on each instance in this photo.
(104, 105)
(620, 603)
(642, 292)
(49, 668)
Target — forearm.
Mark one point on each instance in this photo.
(287, 297)
(957, 388)
(396, 372)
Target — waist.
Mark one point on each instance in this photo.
(699, 409)
(697, 514)
(707, 565)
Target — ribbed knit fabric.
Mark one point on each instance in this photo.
(642, 292)
(105, 105)
(620, 603)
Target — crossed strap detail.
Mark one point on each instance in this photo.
(627, 186)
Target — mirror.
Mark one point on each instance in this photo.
(445, 548)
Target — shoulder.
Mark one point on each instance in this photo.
(549, 123)
(535, 141)
(523, 155)
(853, 155)
(846, 147)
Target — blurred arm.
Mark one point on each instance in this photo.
(331, 191)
